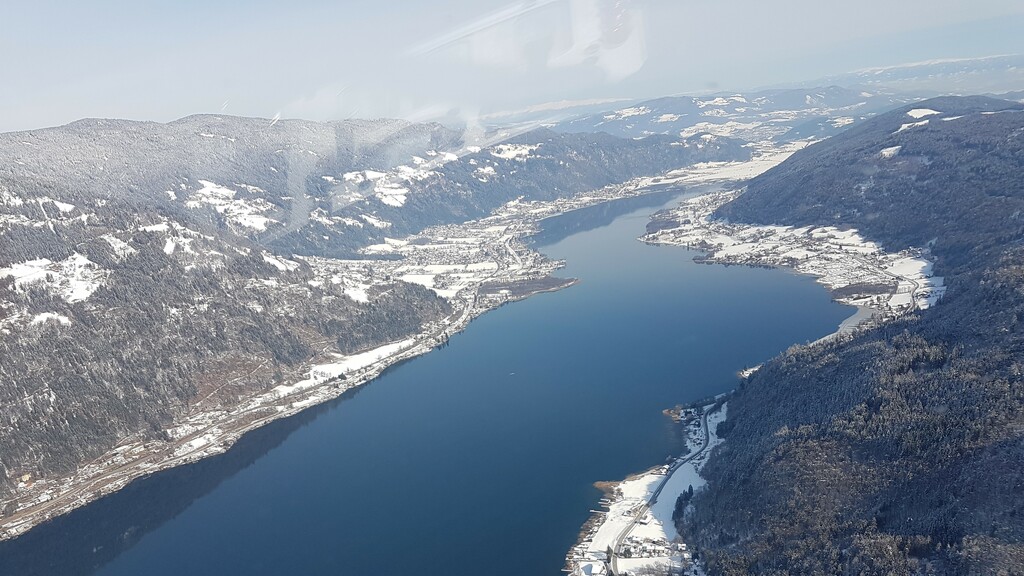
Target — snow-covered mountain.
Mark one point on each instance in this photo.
(780, 115)
(152, 272)
(995, 74)
(910, 432)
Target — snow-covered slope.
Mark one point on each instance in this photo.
(769, 115)
(155, 273)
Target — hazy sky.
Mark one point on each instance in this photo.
(334, 59)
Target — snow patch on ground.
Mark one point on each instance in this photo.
(8, 199)
(910, 125)
(247, 213)
(918, 113)
(711, 172)
(120, 247)
(746, 130)
(282, 264)
(392, 194)
(627, 113)
(652, 541)
(47, 316)
(343, 365)
(715, 102)
(362, 176)
(74, 279)
(358, 292)
(62, 206)
(890, 152)
(484, 173)
(513, 151)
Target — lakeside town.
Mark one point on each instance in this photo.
(856, 271)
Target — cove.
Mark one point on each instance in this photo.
(478, 458)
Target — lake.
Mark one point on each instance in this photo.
(478, 458)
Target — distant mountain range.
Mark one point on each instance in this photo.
(825, 108)
(781, 115)
(993, 74)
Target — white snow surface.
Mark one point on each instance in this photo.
(8, 199)
(74, 279)
(391, 194)
(375, 222)
(513, 151)
(46, 316)
(120, 247)
(344, 364)
(246, 213)
(910, 125)
(681, 479)
(282, 264)
(918, 113)
(627, 113)
(714, 102)
(362, 176)
(746, 130)
(63, 206)
(890, 152)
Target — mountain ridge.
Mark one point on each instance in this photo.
(895, 450)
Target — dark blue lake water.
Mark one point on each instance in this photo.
(479, 458)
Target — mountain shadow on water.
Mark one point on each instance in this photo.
(84, 540)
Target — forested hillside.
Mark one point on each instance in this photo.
(899, 450)
(151, 271)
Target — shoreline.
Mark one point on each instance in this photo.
(635, 530)
(852, 269)
(881, 285)
(208, 433)
(582, 560)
